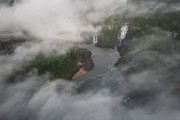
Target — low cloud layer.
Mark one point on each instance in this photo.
(55, 26)
(64, 20)
(32, 99)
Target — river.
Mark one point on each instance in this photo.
(104, 60)
(97, 95)
(104, 70)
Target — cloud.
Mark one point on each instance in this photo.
(64, 20)
(55, 25)
(39, 100)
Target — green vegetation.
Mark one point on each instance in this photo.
(60, 66)
(139, 26)
(167, 21)
(108, 38)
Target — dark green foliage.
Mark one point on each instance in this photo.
(108, 38)
(60, 66)
(167, 21)
(139, 26)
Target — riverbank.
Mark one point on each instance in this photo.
(84, 67)
(63, 66)
(80, 73)
(103, 61)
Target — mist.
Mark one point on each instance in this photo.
(34, 99)
(53, 26)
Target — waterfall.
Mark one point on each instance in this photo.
(95, 38)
